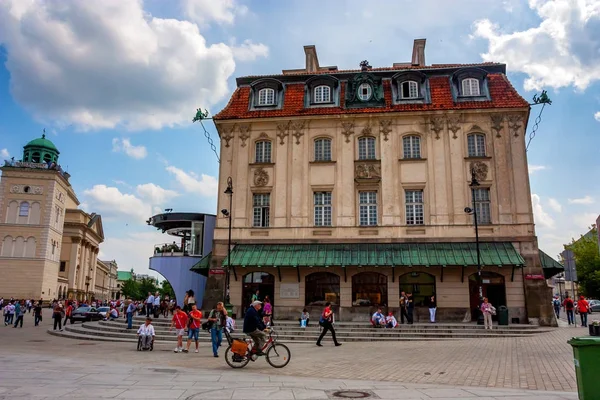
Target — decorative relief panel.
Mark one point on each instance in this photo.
(298, 129)
(348, 130)
(514, 123)
(261, 177)
(453, 122)
(367, 130)
(436, 124)
(227, 133)
(283, 130)
(384, 128)
(497, 123)
(26, 189)
(244, 133)
(479, 169)
(367, 172)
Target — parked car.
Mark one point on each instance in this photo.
(85, 314)
(104, 311)
(594, 306)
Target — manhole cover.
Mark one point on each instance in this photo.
(352, 394)
(37, 341)
(86, 344)
(165, 370)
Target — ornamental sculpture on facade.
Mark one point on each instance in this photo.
(261, 177)
(348, 130)
(453, 122)
(497, 123)
(367, 171)
(385, 128)
(436, 124)
(479, 169)
(30, 189)
(244, 133)
(514, 123)
(227, 134)
(298, 129)
(283, 129)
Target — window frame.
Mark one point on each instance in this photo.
(367, 150)
(416, 87)
(323, 100)
(264, 210)
(483, 205)
(377, 282)
(412, 154)
(479, 150)
(266, 103)
(323, 202)
(322, 154)
(470, 81)
(24, 209)
(370, 92)
(260, 155)
(412, 205)
(369, 206)
(315, 286)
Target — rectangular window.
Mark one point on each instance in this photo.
(262, 206)
(323, 150)
(367, 208)
(322, 208)
(476, 145)
(482, 206)
(263, 152)
(366, 148)
(63, 266)
(411, 146)
(414, 207)
(24, 209)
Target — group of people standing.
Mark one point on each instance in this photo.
(581, 307)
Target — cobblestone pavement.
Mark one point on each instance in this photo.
(541, 362)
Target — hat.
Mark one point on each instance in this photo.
(255, 302)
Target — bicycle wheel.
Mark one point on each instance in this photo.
(278, 355)
(234, 360)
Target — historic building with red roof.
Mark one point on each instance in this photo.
(350, 186)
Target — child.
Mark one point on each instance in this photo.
(304, 318)
(146, 333)
(179, 322)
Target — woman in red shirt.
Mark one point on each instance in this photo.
(326, 322)
(584, 308)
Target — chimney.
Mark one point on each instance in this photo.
(418, 55)
(312, 61)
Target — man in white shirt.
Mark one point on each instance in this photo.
(156, 303)
(149, 304)
(146, 334)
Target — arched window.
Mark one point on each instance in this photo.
(420, 284)
(411, 146)
(409, 90)
(266, 97)
(35, 157)
(322, 94)
(322, 287)
(365, 91)
(30, 247)
(366, 148)
(369, 289)
(263, 151)
(47, 157)
(7, 246)
(323, 149)
(24, 209)
(470, 87)
(476, 145)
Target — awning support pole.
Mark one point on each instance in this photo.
(279, 273)
(393, 274)
(298, 272)
(345, 277)
(512, 275)
(234, 273)
(462, 275)
(442, 278)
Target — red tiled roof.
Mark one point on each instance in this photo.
(502, 93)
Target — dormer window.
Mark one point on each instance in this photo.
(409, 90)
(266, 97)
(365, 91)
(322, 94)
(470, 87)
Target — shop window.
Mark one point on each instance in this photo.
(322, 287)
(369, 289)
(420, 284)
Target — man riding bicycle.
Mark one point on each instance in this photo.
(254, 326)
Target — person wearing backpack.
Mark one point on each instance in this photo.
(569, 306)
(556, 304)
(217, 319)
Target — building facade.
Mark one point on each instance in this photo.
(350, 186)
(48, 246)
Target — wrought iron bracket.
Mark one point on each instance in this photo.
(462, 275)
(512, 275)
(298, 273)
(234, 273)
(279, 273)
(442, 277)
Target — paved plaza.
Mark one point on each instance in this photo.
(34, 364)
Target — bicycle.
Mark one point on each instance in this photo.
(278, 355)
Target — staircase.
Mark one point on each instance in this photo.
(290, 331)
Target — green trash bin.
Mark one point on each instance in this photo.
(502, 315)
(229, 308)
(586, 356)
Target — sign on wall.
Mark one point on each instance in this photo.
(289, 290)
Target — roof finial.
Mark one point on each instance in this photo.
(44, 134)
(364, 65)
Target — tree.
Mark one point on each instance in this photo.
(131, 289)
(587, 262)
(167, 290)
(146, 286)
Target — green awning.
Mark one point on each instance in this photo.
(363, 254)
(550, 266)
(202, 266)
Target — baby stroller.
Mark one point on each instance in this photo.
(140, 346)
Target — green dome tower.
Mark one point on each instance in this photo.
(40, 150)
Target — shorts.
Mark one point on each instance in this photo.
(193, 333)
(180, 332)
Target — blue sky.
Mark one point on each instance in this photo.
(116, 84)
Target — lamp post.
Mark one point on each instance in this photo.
(473, 211)
(227, 213)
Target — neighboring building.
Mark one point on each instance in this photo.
(184, 263)
(350, 186)
(122, 277)
(106, 280)
(49, 247)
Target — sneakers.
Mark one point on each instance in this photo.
(338, 344)
(185, 350)
(215, 355)
(177, 350)
(319, 344)
(196, 351)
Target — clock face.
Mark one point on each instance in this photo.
(365, 91)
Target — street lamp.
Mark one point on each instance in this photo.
(227, 213)
(473, 211)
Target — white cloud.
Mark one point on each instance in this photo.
(541, 217)
(563, 50)
(554, 205)
(536, 168)
(597, 116)
(107, 64)
(250, 51)
(583, 200)
(133, 249)
(111, 203)
(205, 185)
(154, 194)
(584, 221)
(205, 11)
(4, 153)
(124, 145)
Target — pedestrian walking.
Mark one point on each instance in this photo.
(326, 322)
(403, 307)
(218, 320)
(37, 313)
(68, 313)
(432, 309)
(179, 322)
(569, 306)
(556, 305)
(193, 327)
(488, 310)
(57, 315)
(9, 313)
(19, 312)
(584, 308)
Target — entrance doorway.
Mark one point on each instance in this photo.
(261, 281)
(493, 288)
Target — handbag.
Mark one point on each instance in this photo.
(207, 325)
(239, 347)
(493, 311)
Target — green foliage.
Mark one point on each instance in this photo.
(131, 289)
(138, 289)
(166, 290)
(147, 285)
(587, 261)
